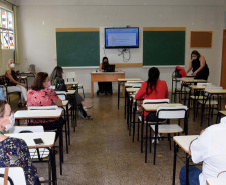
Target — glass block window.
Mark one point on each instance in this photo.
(7, 29)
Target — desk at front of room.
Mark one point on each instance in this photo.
(105, 77)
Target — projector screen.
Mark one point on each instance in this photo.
(121, 37)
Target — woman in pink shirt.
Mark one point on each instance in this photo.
(153, 88)
(41, 95)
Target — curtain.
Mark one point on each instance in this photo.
(16, 42)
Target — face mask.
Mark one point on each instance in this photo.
(12, 122)
(194, 58)
(12, 65)
(48, 85)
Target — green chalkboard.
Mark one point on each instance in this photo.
(78, 48)
(163, 48)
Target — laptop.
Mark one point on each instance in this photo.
(109, 68)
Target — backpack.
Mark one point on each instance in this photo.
(60, 85)
(179, 72)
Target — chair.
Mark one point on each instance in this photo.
(59, 130)
(71, 75)
(140, 118)
(39, 154)
(168, 113)
(207, 101)
(197, 96)
(15, 175)
(3, 84)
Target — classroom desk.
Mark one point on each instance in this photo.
(24, 79)
(48, 139)
(186, 82)
(43, 114)
(28, 75)
(184, 142)
(105, 77)
(154, 108)
(127, 103)
(123, 81)
(176, 80)
(210, 94)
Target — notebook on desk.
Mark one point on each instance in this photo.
(109, 68)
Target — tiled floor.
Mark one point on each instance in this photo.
(102, 152)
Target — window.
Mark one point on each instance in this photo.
(7, 29)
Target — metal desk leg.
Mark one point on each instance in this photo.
(174, 161)
(125, 104)
(187, 168)
(118, 93)
(53, 165)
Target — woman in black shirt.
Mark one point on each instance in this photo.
(104, 87)
(198, 65)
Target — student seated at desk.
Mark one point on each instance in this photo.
(13, 151)
(41, 95)
(153, 88)
(57, 73)
(104, 87)
(210, 149)
(13, 83)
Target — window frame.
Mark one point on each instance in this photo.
(7, 29)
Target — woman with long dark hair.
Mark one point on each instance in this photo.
(153, 88)
(198, 65)
(104, 87)
(58, 73)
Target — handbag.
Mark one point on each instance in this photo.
(60, 85)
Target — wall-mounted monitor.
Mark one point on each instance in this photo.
(121, 37)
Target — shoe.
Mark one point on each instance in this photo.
(89, 117)
(157, 140)
(89, 107)
(82, 116)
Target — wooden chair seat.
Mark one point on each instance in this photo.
(212, 102)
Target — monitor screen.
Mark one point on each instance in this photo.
(121, 37)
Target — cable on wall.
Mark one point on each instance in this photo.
(122, 52)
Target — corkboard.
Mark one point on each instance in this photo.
(201, 39)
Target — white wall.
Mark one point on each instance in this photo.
(39, 18)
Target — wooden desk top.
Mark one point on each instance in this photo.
(220, 91)
(154, 107)
(131, 90)
(223, 112)
(47, 137)
(194, 80)
(27, 72)
(184, 141)
(32, 114)
(200, 87)
(183, 77)
(64, 103)
(71, 83)
(128, 79)
(71, 92)
(105, 73)
(132, 84)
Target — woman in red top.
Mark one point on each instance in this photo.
(153, 88)
(41, 95)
